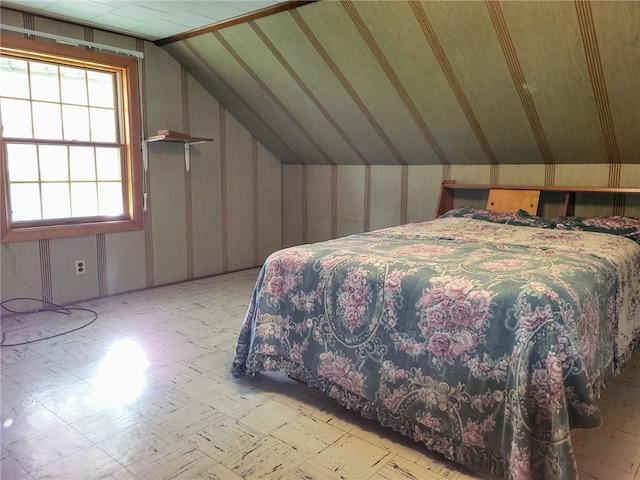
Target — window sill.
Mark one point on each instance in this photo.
(27, 234)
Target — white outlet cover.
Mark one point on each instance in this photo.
(81, 267)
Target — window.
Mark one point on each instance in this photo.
(70, 141)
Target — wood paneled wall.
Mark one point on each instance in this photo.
(369, 197)
(238, 203)
(223, 215)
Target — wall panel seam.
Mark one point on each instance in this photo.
(334, 201)
(256, 200)
(494, 174)
(29, 22)
(367, 198)
(272, 95)
(147, 220)
(518, 78)
(331, 64)
(305, 206)
(101, 250)
(404, 193)
(454, 83)
(549, 174)
(224, 207)
(188, 193)
(45, 270)
(307, 91)
(397, 84)
(598, 84)
(241, 100)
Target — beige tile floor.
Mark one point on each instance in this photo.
(143, 393)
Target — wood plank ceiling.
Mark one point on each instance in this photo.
(456, 82)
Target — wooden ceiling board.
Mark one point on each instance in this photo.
(259, 73)
(469, 40)
(398, 87)
(299, 49)
(280, 89)
(204, 72)
(547, 40)
(335, 30)
(423, 81)
(385, 151)
(617, 27)
(450, 83)
(314, 117)
(235, 72)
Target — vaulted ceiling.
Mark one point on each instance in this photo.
(452, 82)
(432, 82)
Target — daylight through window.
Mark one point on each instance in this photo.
(68, 153)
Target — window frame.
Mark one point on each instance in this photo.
(129, 109)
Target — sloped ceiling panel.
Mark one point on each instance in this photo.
(451, 83)
(619, 46)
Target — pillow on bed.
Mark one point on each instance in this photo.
(615, 225)
(521, 217)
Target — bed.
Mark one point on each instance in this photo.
(485, 336)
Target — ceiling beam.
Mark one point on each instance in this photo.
(263, 12)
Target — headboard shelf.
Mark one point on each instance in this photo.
(511, 199)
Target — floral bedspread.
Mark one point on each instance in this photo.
(486, 342)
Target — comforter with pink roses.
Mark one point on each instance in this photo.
(486, 342)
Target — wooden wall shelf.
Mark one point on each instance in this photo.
(174, 137)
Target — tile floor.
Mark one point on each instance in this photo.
(143, 393)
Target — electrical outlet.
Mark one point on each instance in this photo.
(81, 268)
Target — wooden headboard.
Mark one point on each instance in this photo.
(510, 198)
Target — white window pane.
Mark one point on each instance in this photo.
(54, 165)
(82, 163)
(101, 89)
(44, 82)
(14, 80)
(22, 162)
(16, 118)
(110, 198)
(47, 101)
(103, 125)
(108, 163)
(55, 200)
(75, 121)
(84, 199)
(25, 202)
(46, 121)
(73, 85)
